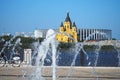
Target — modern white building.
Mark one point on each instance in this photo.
(24, 34)
(38, 33)
(94, 34)
(41, 33)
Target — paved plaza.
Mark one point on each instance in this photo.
(24, 72)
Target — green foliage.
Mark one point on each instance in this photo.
(66, 46)
(6, 37)
(107, 47)
(90, 47)
(25, 41)
(93, 47)
(114, 39)
(40, 39)
(63, 45)
(3, 40)
(1, 45)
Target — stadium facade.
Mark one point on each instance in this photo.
(89, 34)
(95, 34)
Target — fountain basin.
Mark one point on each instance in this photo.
(79, 73)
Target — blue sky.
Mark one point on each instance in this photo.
(28, 15)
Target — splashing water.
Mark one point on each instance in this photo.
(7, 43)
(117, 47)
(49, 43)
(77, 50)
(79, 47)
(14, 46)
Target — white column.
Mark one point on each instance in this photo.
(80, 34)
(92, 33)
(83, 33)
(27, 56)
(102, 35)
(98, 36)
(89, 33)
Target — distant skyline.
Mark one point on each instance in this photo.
(28, 15)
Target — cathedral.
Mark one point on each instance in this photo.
(67, 31)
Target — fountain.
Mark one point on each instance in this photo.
(48, 47)
(7, 45)
(51, 43)
(48, 43)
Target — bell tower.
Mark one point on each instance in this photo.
(67, 23)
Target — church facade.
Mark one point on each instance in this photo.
(67, 31)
